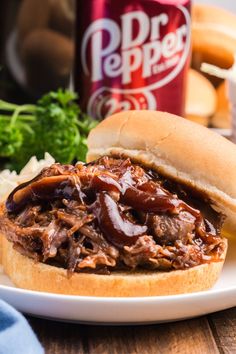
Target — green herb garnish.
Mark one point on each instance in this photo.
(55, 124)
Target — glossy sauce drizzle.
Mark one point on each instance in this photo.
(102, 189)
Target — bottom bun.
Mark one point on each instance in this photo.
(221, 118)
(27, 274)
(200, 104)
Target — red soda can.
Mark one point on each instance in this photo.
(132, 54)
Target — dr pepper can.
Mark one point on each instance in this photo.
(132, 54)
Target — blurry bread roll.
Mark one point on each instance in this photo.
(221, 118)
(200, 98)
(213, 36)
(62, 16)
(33, 14)
(48, 59)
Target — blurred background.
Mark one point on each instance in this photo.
(226, 4)
(37, 53)
(36, 46)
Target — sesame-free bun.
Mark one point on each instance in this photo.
(32, 15)
(213, 35)
(200, 102)
(175, 147)
(221, 118)
(27, 274)
(48, 57)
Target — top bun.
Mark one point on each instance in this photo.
(213, 35)
(175, 147)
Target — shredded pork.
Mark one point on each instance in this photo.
(108, 215)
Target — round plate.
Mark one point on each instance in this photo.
(137, 310)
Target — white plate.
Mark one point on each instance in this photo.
(127, 310)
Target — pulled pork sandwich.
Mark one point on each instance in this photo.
(143, 217)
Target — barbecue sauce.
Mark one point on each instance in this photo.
(103, 190)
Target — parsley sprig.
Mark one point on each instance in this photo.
(54, 124)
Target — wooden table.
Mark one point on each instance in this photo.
(215, 333)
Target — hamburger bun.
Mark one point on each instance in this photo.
(48, 59)
(200, 98)
(63, 16)
(27, 274)
(213, 36)
(221, 118)
(33, 14)
(174, 147)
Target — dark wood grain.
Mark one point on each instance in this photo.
(223, 326)
(190, 337)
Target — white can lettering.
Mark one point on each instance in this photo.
(127, 27)
(135, 46)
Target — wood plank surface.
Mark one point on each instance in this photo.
(223, 326)
(190, 337)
